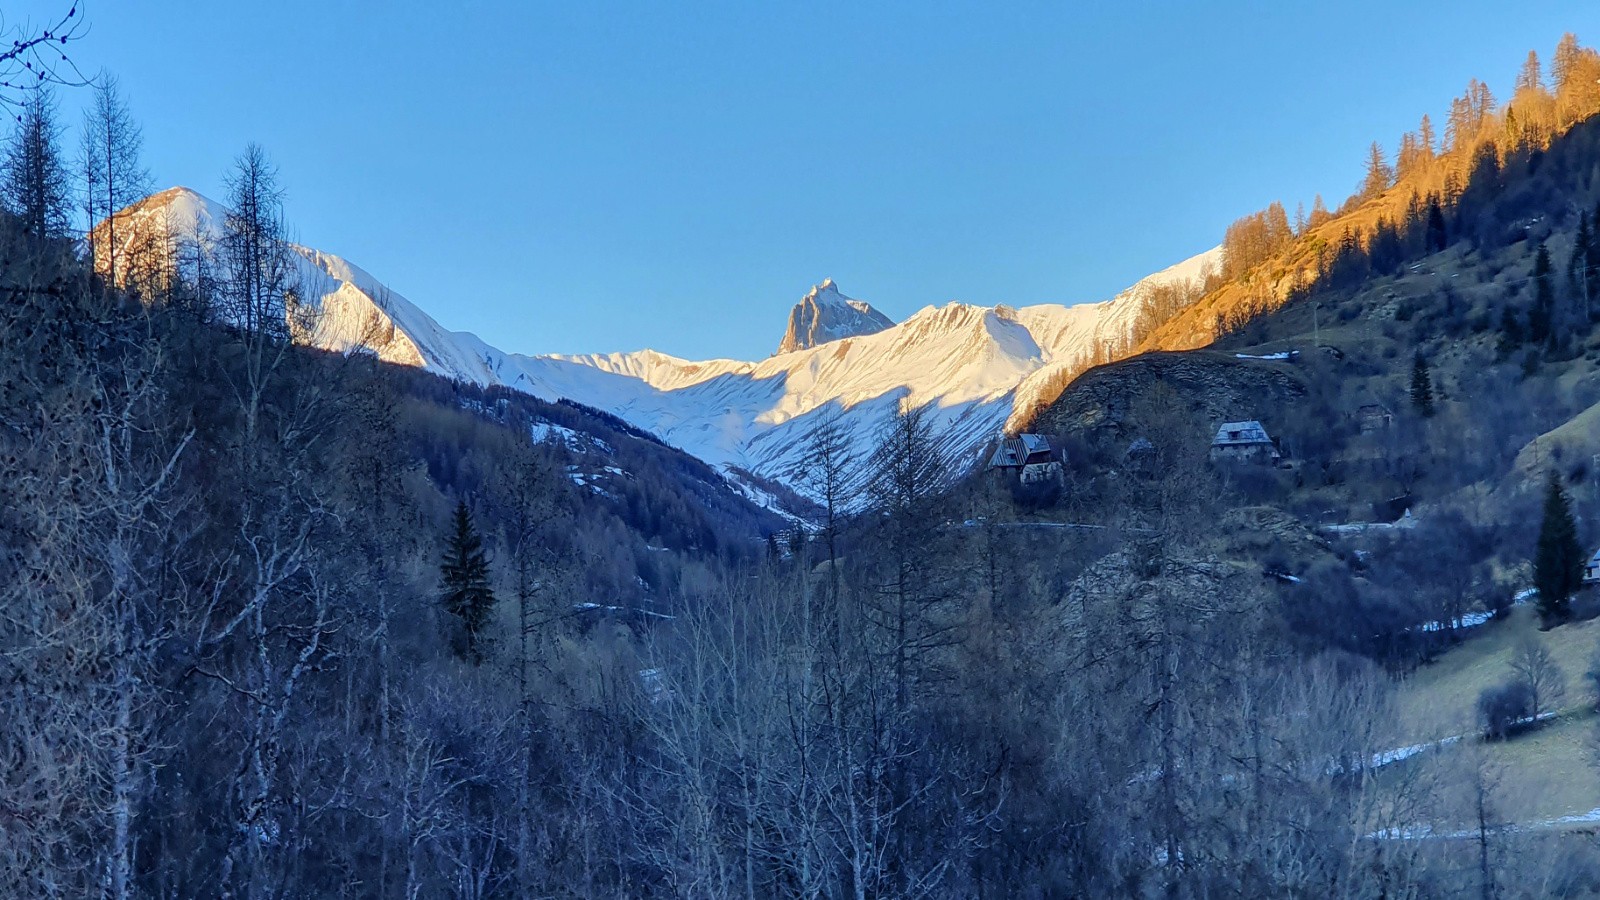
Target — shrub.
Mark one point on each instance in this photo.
(1501, 708)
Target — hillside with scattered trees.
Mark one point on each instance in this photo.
(1403, 206)
(1404, 203)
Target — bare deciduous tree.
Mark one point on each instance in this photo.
(37, 55)
(1534, 667)
(113, 178)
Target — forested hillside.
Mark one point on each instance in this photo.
(1401, 209)
(221, 575)
(1402, 206)
(1470, 325)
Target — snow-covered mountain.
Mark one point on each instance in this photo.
(971, 366)
(825, 315)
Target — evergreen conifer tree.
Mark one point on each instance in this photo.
(1579, 261)
(33, 180)
(1438, 238)
(1421, 386)
(1510, 331)
(1591, 264)
(1558, 559)
(464, 573)
(1540, 330)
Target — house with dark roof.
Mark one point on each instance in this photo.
(1245, 441)
(1029, 456)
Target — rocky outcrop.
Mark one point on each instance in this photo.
(825, 315)
(1213, 387)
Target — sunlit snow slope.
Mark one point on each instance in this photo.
(970, 365)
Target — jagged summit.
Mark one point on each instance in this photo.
(824, 315)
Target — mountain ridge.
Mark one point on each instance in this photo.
(969, 364)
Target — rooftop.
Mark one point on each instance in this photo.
(1237, 433)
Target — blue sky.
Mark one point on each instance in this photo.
(580, 177)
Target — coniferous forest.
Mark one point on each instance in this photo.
(280, 621)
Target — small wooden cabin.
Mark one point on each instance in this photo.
(1245, 441)
(1029, 456)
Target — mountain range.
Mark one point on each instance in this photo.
(974, 367)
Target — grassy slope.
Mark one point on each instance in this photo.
(1544, 774)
